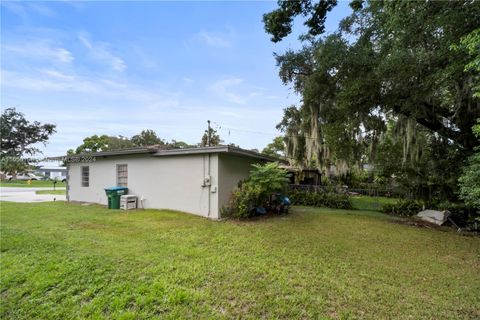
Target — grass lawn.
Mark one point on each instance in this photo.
(371, 203)
(33, 184)
(50, 192)
(68, 261)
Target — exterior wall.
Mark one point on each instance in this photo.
(165, 182)
(232, 169)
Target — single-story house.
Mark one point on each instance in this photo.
(54, 173)
(195, 180)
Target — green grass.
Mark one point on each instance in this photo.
(371, 203)
(33, 184)
(50, 192)
(68, 261)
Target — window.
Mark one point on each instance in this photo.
(85, 176)
(122, 175)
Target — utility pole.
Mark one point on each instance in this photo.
(208, 134)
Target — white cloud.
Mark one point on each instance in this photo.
(56, 74)
(100, 51)
(41, 9)
(41, 49)
(47, 80)
(235, 90)
(223, 89)
(214, 40)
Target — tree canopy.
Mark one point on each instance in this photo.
(396, 85)
(276, 148)
(147, 138)
(19, 136)
(210, 138)
(408, 70)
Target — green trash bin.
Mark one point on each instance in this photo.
(113, 195)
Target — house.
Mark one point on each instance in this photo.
(54, 173)
(195, 180)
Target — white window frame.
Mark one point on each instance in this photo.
(85, 178)
(122, 175)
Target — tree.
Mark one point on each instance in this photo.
(147, 138)
(214, 138)
(98, 143)
(119, 142)
(18, 135)
(174, 144)
(12, 165)
(470, 179)
(276, 148)
(410, 63)
(93, 143)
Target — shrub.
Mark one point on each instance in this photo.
(320, 199)
(403, 208)
(264, 180)
(242, 200)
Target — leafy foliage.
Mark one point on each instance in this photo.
(242, 200)
(470, 179)
(320, 199)
(18, 135)
(264, 180)
(97, 143)
(147, 138)
(400, 76)
(269, 177)
(403, 208)
(13, 165)
(279, 22)
(276, 148)
(210, 138)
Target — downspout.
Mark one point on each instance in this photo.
(206, 180)
(67, 187)
(209, 185)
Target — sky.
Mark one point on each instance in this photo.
(117, 68)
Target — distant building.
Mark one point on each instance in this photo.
(54, 173)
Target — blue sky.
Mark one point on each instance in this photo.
(119, 67)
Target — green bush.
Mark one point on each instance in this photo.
(403, 208)
(319, 199)
(242, 200)
(264, 180)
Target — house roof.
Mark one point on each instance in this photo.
(159, 152)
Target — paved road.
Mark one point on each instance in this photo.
(28, 195)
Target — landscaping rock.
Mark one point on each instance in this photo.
(434, 216)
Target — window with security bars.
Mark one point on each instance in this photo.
(122, 175)
(85, 176)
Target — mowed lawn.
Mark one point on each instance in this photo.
(68, 261)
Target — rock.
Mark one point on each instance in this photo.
(434, 216)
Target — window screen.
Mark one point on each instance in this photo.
(85, 176)
(122, 175)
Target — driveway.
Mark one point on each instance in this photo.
(28, 195)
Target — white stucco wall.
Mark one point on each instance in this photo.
(232, 169)
(165, 182)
